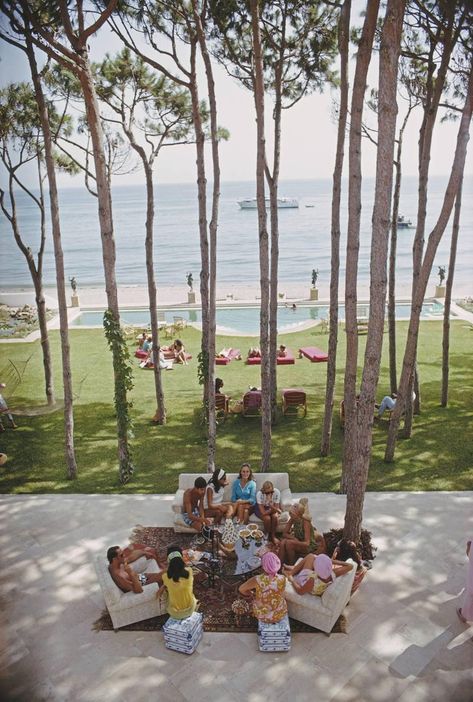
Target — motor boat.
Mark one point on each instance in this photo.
(283, 203)
(403, 223)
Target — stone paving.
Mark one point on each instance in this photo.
(403, 641)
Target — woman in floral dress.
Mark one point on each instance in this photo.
(267, 589)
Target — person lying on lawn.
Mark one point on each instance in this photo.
(123, 575)
(193, 514)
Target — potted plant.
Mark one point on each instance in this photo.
(440, 288)
(314, 292)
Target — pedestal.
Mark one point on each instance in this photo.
(314, 294)
(440, 291)
(191, 298)
(75, 301)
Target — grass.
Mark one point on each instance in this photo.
(439, 456)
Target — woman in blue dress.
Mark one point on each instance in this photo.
(244, 493)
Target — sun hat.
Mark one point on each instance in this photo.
(270, 563)
(323, 566)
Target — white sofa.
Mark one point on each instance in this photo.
(129, 607)
(186, 480)
(321, 612)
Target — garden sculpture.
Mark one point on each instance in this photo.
(315, 275)
(190, 281)
(441, 274)
(73, 284)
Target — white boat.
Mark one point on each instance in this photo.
(283, 203)
(403, 223)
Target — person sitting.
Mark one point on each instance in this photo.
(193, 514)
(254, 352)
(123, 574)
(388, 403)
(4, 410)
(269, 604)
(141, 340)
(218, 386)
(214, 506)
(244, 493)
(313, 574)
(178, 351)
(268, 508)
(149, 361)
(299, 536)
(179, 582)
(282, 351)
(147, 344)
(347, 549)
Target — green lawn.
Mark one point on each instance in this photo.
(439, 456)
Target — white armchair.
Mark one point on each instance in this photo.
(129, 607)
(321, 612)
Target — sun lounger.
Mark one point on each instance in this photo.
(314, 354)
(233, 354)
(139, 353)
(292, 400)
(287, 360)
(169, 355)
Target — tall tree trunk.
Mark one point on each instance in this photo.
(152, 292)
(448, 296)
(388, 68)
(212, 439)
(36, 272)
(343, 47)
(263, 238)
(59, 263)
(273, 184)
(353, 235)
(108, 253)
(432, 245)
(206, 361)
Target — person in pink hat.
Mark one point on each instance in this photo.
(465, 612)
(313, 574)
(269, 604)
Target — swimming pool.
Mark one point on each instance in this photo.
(245, 320)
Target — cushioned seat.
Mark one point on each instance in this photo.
(314, 354)
(129, 607)
(186, 480)
(321, 612)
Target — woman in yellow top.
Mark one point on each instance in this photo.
(269, 603)
(178, 581)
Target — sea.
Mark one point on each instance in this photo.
(304, 235)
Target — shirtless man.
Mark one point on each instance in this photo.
(123, 574)
(193, 514)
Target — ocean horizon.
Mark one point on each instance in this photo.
(304, 236)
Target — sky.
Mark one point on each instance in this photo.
(308, 132)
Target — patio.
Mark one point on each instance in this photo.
(404, 640)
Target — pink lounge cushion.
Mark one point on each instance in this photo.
(225, 360)
(314, 354)
(222, 361)
(139, 353)
(287, 360)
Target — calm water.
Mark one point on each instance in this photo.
(304, 236)
(246, 319)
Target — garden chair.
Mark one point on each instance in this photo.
(179, 323)
(221, 406)
(294, 399)
(251, 404)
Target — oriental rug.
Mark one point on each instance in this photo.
(215, 603)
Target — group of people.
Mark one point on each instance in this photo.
(298, 556)
(175, 353)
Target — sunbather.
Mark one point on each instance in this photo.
(282, 351)
(254, 352)
(178, 351)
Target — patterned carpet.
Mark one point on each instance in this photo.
(215, 603)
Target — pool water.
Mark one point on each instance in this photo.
(245, 320)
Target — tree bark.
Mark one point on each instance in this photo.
(388, 69)
(263, 238)
(432, 245)
(353, 236)
(59, 264)
(448, 296)
(343, 47)
(213, 226)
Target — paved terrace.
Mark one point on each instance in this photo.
(404, 640)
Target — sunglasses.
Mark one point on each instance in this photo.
(271, 492)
